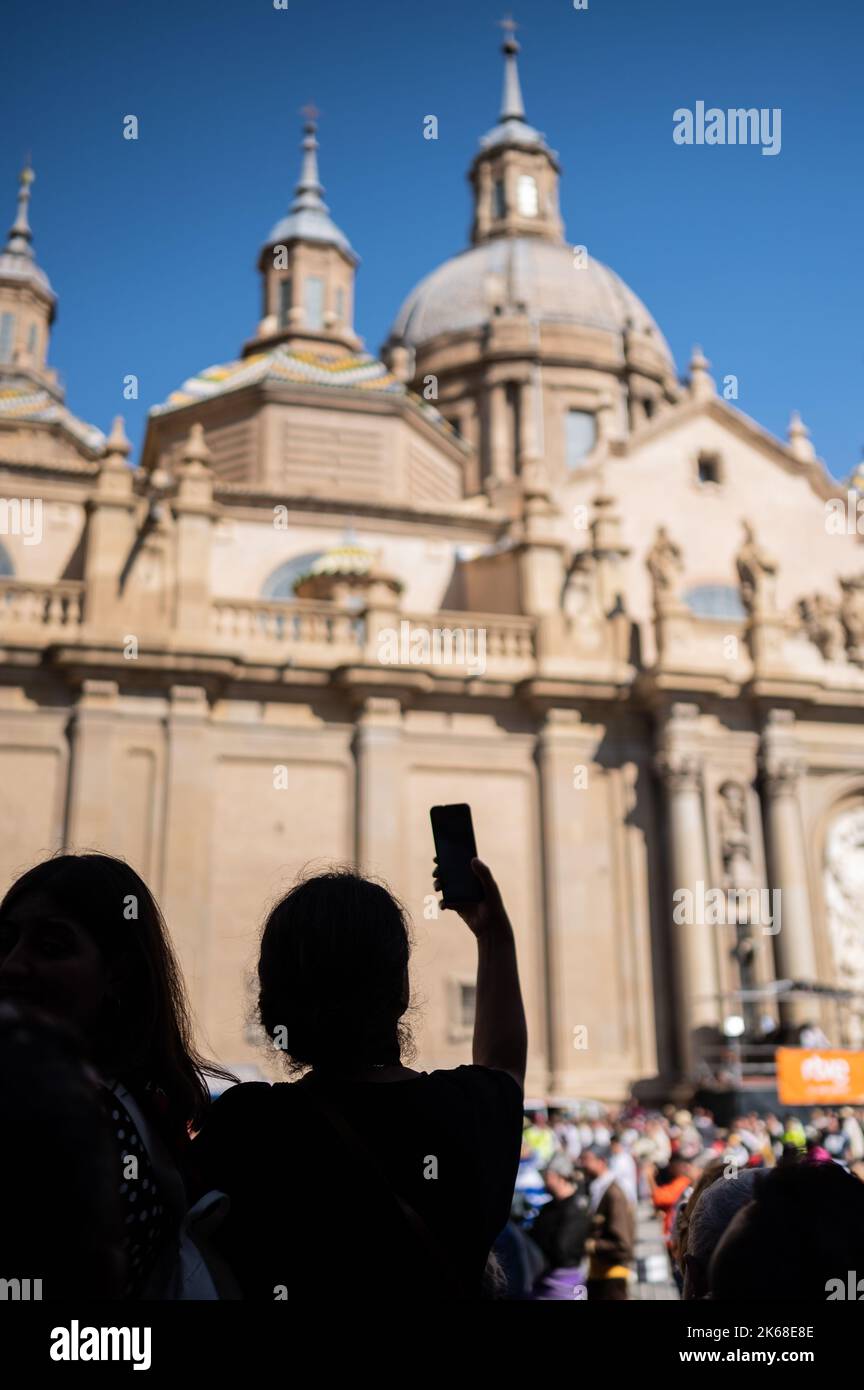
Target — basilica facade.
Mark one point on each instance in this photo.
(515, 560)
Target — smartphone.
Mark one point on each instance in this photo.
(455, 847)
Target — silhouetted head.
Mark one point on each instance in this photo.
(719, 1201)
(82, 939)
(333, 973)
(60, 1218)
(803, 1231)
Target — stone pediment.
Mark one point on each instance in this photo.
(741, 427)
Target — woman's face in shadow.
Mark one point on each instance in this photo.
(49, 961)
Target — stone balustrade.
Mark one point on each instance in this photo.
(25, 606)
(302, 622)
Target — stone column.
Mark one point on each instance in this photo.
(564, 745)
(110, 536)
(379, 818)
(501, 444)
(91, 821)
(794, 956)
(186, 892)
(529, 433)
(193, 512)
(694, 945)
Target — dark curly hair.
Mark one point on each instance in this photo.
(333, 973)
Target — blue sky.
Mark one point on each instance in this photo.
(151, 245)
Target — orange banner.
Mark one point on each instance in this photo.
(820, 1076)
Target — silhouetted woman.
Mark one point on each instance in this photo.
(367, 1179)
(82, 940)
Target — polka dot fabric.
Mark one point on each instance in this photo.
(145, 1225)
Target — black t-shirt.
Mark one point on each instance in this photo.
(561, 1229)
(311, 1216)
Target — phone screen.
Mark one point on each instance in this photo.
(455, 847)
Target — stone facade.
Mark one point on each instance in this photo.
(516, 563)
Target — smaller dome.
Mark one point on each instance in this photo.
(311, 224)
(343, 559)
(514, 131)
(24, 271)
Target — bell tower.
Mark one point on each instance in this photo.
(307, 266)
(515, 175)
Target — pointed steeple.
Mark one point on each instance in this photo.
(308, 265)
(20, 235)
(512, 105)
(515, 174)
(27, 301)
(309, 190)
(309, 216)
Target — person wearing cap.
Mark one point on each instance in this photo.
(613, 1229)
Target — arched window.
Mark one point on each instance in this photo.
(715, 601)
(280, 584)
(6, 569)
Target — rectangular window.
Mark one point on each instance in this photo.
(527, 195)
(340, 305)
(31, 340)
(581, 435)
(285, 302)
(499, 202)
(7, 336)
(313, 302)
(709, 468)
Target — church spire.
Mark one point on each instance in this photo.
(27, 301)
(308, 266)
(512, 105)
(515, 174)
(309, 190)
(20, 235)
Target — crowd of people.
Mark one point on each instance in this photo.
(583, 1175)
(123, 1178)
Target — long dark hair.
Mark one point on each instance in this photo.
(145, 1038)
(333, 973)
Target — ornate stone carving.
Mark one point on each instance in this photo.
(852, 616)
(820, 618)
(735, 836)
(757, 576)
(782, 770)
(843, 875)
(680, 770)
(665, 565)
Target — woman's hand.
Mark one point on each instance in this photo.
(486, 918)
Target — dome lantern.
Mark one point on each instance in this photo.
(308, 267)
(27, 301)
(515, 174)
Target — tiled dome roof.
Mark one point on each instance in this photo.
(356, 371)
(24, 401)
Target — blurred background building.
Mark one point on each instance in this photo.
(515, 561)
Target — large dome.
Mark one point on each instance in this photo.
(528, 273)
